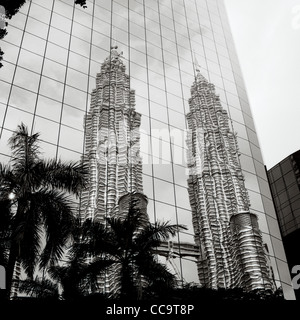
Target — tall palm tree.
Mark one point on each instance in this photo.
(40, 202)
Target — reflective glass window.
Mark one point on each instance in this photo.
(61, 22)
(77, 79)
(175, 103)
(4, 148)
(255, 201)
(211, 56)
(182, 198)
(251, 181)
(56, 53)
(4, 89)
(213, 67)
(49, 135)
(26, 79)
(240, 130)
(279, 184)
(44, 3)
(256, 152)
(48, 108)
(244, 146)
(40, 13)
(276, 172)
(71, 139)
(22, 99)
(173, 87)
(236, 115)
(10, 52)
(247, 163)
(15, 117)
(138, 57)
(54, 70)
(78, 62)
(72, 117)
(230, 86)
(165, 212)
(163, 171)
(9, 72)
(80, 46)
(64, 9)
(18, 20)
(75, 98)
(157, 95)
(67, 155)
(176, 119)
(148, 185)
(184, 53)
(30, 61)
(216, 80)
(59, 37)
(82, 17)
(286, 165)
(102, 10)
(37, 28)
(168, 34)
(159, 112)
(13, 36)
(51, 88)
(34, 44)
(290, 178)
(252, 137)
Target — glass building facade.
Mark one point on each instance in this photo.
(53, 52)
(284, 180)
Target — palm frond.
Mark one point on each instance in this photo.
(39, 288)
(28, 230)
(69, 176)
(25, 147)
(154, 234)
(56, 212)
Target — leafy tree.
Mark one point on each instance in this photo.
(39, 207)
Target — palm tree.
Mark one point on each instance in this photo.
(40, 203)
(40, 288)
(131, 244)
(5, 230)
(78, 274)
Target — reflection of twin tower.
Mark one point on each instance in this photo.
(231, 251)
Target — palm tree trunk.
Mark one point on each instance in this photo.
(10, 268)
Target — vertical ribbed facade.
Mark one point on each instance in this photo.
(112, 155)
(112, 142)
(230, 242)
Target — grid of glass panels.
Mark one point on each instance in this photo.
(53, 52)
(284, 181)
